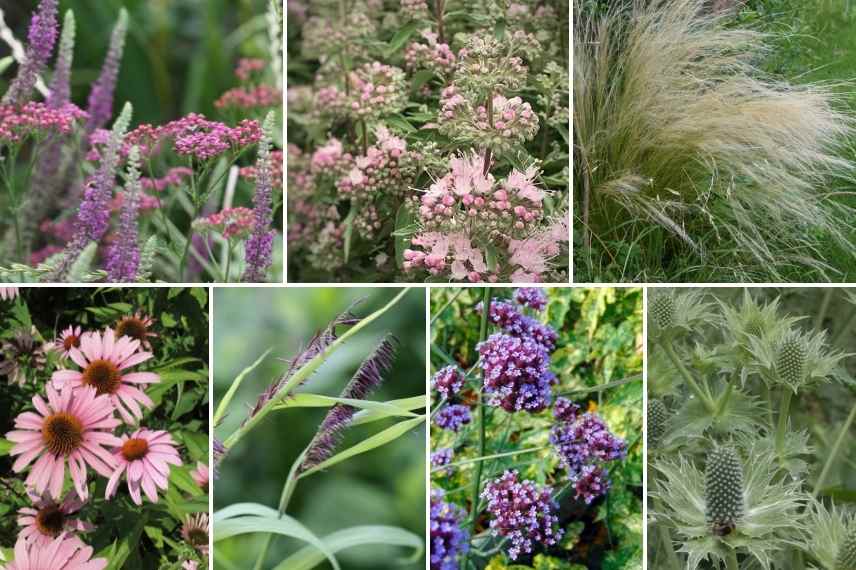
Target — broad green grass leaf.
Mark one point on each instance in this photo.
(318, 401)
(400, 38)
(381, 438)
(285, 525)
(368, 416)
(307, 557)
(236, 383)
(243, 509)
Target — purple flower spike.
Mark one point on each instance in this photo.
(531, 297)
(584, 443)
(453, 417)
(124, 258)
(40, 44)
(516, 373)
(448, 539)
(101, 96)
(448, 381)
(259, 246)
(523, 512)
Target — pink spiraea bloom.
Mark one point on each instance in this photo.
(72, 426)
(63, 553)
(231, 223)
(67, 340)
(104, 361)
(137, 326)
(8, 293)
(144, 458)
(47, 519)
(195, 532)
(200, 475)
(467, 262)
(532, 256)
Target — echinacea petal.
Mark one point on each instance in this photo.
(149, 488)
(29, 420)
(135, 359)
(113, 482)
(141, 378)
(57, 477)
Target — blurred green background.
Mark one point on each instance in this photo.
(385, 486)
(179, 57)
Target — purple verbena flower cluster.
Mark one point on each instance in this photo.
(516, 373)
(584, 443)
(453, 418)
(523, 512)
(532, 297)
(448, 539)
(506, 316)
(442, 457)
(448, 381)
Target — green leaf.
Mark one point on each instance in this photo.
(236, 383)
(420, 78)
(404, 218)
(368, 416)
(243, 509)
(318, 401)
(285, 525)
(307, 557)
(5, 446)
(5, 63)
(349, 231)
(400, 38)
(401, 124)
(201, 296)
(381, 438)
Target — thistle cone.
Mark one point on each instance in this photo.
(662, 311)
(657, 418)
(791, 360)
(846, 559)
(724, 488)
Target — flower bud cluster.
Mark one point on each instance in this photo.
(448, 381)
(325, 37)
(414, 9)
(516, 373)
(509, 122)
(453, 418)
(523, 512)
(584, 443)
(435, 56)
(452, 253)
(387, 169)
(230, 222)
(377, 90)
(448, 539)
(487, 64)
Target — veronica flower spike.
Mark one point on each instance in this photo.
(104, 361)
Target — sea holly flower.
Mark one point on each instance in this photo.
(658, 417)
(522, 512)
(71, 427)
(453, 418)
(138, 327)
(831, 538)
(143, 458)
(195, 531)
(200, 475)
(68, 339)
(47, 519)
(672, 313)
(63, 553)
(448, 539)
(516, 373)
(448, 381)
(104, 361)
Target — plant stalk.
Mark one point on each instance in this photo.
(702, 395)
(824, 308)
(848, 324)
(836, 448)
(731, 560)
(782, 427)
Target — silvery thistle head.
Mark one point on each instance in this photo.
(671, 313)
(702, 506)
(831, 540)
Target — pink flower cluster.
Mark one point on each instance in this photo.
(249, 67)
(435, 56)
(231, 222)
(453, 253)
(34, 119)
(531, 256)
(512, 120)
(414, 9)
(258, 97)
(376, 90)
(174, 177)
(277, 162)
(386, 169)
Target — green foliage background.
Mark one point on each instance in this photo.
(385, 486)
(131, 537)
(600, 336)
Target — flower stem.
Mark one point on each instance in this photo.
(477, 476)
(833, 453)
(687, 375)
(846, 328)
(287, 491)
(439, 8)
(824, 308)
(782, 427)
(494, 456)
(731, 560)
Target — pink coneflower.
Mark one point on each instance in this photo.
(200, 475)
(72, 425)
(145, 457)
(8, 293)
(137, 326)
(190, 565)
(195, 530)
(104, 361)
(47, 519)
(67, 340)
(63, 553)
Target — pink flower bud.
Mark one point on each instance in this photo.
(478, 202)
(501, 195)
(467, 199)
(520, 211)
(448, 200)
(474, 277)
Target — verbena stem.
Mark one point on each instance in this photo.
(486, 457)
(833, 453)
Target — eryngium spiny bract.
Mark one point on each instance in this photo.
(791, 359)
(723, 489)
(847, 553)
(657, 418)
(662, 310)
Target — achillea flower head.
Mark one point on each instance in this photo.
(448, 539)
(63, 553)
(368, 378)
(174, 177)
(523, 512)
(68, 339)
(197, 137)
(277, 164)
(104, 361)
(448, 381)
(36, 119)
(230, 223)
(516, 373)
(40, 44)
(453, 418)
(584, 443)
(123, 259)
(21, 355)
(72, 426)
(247, 68)
(532, 297)
(47, 519)
(144, 458)
(724, 489)
(100, 106)
(259, 246)
(195, 531)
(138, 327)
(846, 559)
(657, 418)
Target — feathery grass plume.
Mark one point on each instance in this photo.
(676, 126)
(100, 107)
(259, 246)
(723, 489)
(847, 553)
(123, 261)
(40, 43)
(368, 377)
(658, 415)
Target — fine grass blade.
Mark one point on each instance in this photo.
(368, 416)
(236, 383)
(384, 409)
